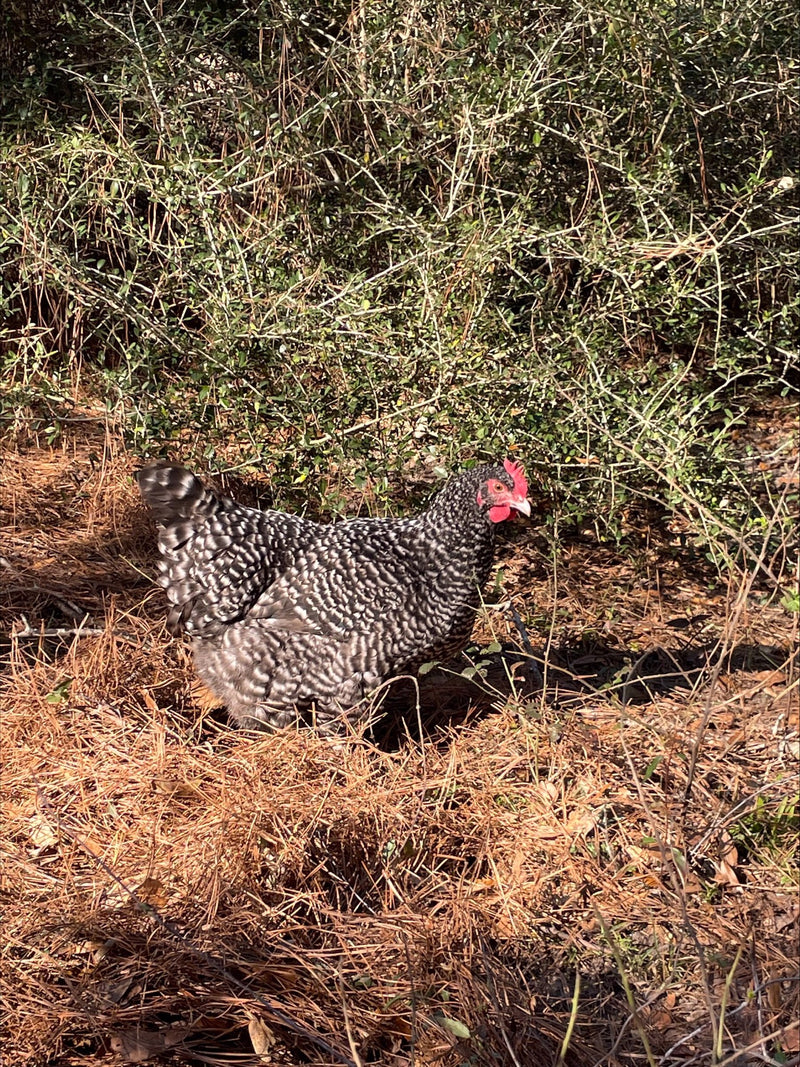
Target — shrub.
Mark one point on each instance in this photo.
(367, 239)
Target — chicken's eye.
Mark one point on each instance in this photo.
(498, 487)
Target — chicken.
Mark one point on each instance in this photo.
(291, 618)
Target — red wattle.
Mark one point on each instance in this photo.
(499, 513)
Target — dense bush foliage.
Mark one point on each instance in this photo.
(351, 237)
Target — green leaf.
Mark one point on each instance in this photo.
(455, 1026)
(60, 693)
(650, 768)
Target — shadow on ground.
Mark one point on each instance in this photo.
(571, 678)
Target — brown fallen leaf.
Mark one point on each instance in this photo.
(728, 850)
(724, 874)
(790, 1039)
(785, 918)
(41, 833)
(774, 993)
(175, 789)
(661, 1020)
(262, 1038)
(770, 679)
(149, 702)
(582, 822)
(151, 891)
(137, 1045)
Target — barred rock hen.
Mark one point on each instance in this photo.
(289, 616)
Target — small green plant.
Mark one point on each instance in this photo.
(772, 828)
(60, 694)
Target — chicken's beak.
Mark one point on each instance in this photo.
(523, 506)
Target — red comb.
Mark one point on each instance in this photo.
(516, 472)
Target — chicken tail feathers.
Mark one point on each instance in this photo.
(214, 556)
(174, 494)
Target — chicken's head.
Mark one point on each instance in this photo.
(504, 490)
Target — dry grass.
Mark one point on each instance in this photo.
(176, 889)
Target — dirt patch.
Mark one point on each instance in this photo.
(589, 847)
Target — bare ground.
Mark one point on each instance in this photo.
(589, 851)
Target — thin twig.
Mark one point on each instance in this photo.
(28, 631)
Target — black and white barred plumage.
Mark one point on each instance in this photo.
(288, 616)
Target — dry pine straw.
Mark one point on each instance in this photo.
(175, 888)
